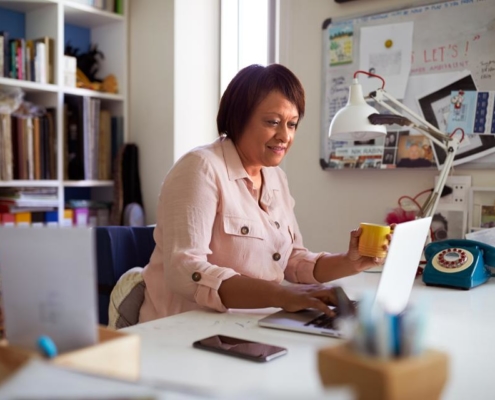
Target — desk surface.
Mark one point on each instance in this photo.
(461, 323)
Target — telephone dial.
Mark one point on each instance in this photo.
(458, 263)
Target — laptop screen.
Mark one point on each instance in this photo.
(401, 264)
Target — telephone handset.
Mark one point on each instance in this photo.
(458, 263)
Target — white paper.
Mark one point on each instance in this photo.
(386, 50)
(484, 236)
(483, 61)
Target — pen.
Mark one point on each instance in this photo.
(46, 346)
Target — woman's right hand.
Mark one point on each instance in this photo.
(299, 297)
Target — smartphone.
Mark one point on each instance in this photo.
(242, 348)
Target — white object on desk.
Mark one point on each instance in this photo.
(49, 286)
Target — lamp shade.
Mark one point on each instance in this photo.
(351, 122)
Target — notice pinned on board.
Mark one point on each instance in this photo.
(386, 50)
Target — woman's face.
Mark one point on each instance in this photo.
(268, 134)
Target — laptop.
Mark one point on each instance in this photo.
(394, 288)
(48, 283)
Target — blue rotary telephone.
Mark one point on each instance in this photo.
(458, 263)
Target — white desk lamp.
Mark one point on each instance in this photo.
(359, 121)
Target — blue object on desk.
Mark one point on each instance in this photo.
(458, 263)
(47, 347)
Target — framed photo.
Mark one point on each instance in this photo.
(487, 217)
(482, 208)
(448, 224)
(435, 107)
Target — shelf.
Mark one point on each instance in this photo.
(88, 183)
(93, 93)
(88, 16)
(29, 86)
(64, 20)
(29, 183)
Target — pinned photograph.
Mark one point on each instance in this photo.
(414, 151)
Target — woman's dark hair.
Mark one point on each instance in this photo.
(249, 88)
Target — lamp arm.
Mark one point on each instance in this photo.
(430, 205)
(381, 94)
(448, 143)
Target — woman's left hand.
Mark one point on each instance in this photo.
(361, 263)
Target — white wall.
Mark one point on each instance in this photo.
(174, 84)
(151, 93)
(197, 73)
(331, 203)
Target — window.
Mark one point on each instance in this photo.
(247, 34)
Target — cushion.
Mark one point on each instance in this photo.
(126, 299)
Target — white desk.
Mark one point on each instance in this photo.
(462, 323)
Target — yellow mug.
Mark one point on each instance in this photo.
(372, 239)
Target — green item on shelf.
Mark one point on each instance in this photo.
(119, 7)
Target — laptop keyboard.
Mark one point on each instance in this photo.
(325, 321)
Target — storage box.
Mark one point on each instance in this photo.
(116, 354)
(411, 378)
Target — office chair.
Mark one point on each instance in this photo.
(118, 249)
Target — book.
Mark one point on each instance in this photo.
(117, 136)
(110, 5)
(29, 137)
(7, 219)
(104, 146)
(6, 171)
(51, 144)
(40, 63)
(2, 54)
(75, 137)
(49, 58)
(13, 58)
(29, 60)
(37, 150)
(28, 197)
(23, 219)
(6, 54)
(119, 7)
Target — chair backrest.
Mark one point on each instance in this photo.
(118, 249)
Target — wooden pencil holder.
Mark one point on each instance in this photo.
(116, 354)
(422, 377)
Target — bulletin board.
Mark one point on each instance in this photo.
(442, 50)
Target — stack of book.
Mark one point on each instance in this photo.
(27, 146)
(92, 135)
(29, 60)
(27, 206)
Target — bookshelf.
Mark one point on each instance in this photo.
(81, 24)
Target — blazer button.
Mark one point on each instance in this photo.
(196, 277)
(277, 225)
(244, 230)
(276, 256)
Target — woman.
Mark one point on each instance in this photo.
(226, 234)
